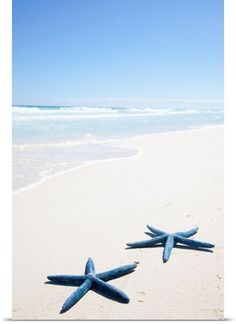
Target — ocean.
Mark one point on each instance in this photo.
(48, 140)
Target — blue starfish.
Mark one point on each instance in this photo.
(94, 281)
(169, 240)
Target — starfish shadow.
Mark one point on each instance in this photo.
(95, 290)
(59, 284)
(182, 247)
(144, 247)
(103, 294)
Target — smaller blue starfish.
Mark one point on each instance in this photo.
(94, 281)
(169, 240)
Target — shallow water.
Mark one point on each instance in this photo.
(49, 140)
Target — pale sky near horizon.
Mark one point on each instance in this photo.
(117, 52)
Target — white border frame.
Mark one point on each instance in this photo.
(5, 158)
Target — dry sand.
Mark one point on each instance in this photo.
(175, 183)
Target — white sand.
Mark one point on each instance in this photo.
(175, 184)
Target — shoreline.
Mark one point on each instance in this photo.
(139, 152)
(36, 184)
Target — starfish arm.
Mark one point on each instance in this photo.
(150, 242)
(67, 279)
(117, 272)
(89, 268)
(193, 243)
(156, 230)
(188, 233)
(76, 296)
(168, 248)
(109, 291)
(151, 234)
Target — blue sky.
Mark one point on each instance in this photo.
(117, 52)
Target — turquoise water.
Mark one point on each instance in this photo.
(49, 140)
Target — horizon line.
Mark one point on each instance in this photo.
(144, 100)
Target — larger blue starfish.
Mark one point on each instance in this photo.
(94, 281)
(169, 240)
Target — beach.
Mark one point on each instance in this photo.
(174, 183)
